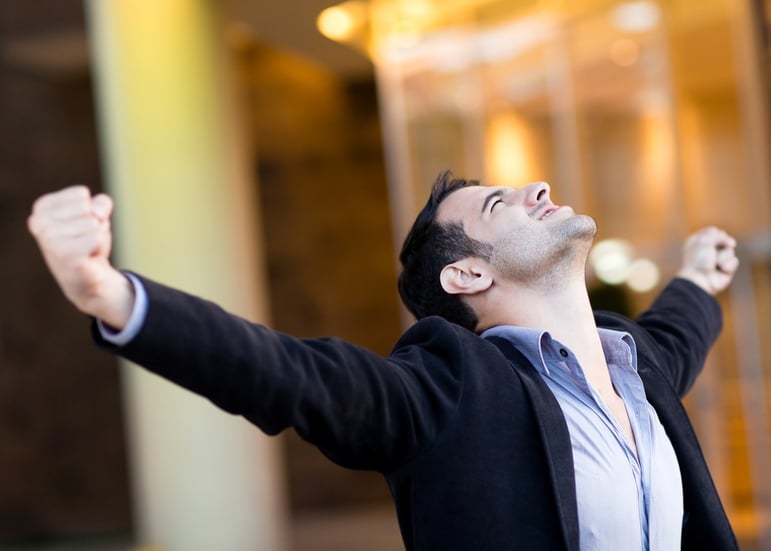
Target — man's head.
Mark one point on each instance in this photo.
(469, 238)
(431, 246)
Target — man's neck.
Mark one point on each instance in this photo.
(564, 311)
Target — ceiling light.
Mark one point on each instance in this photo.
(636, 16)
(341, 22)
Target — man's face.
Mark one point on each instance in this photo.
(530, 235)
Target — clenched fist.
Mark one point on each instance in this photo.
(72, 229)
(709, 259)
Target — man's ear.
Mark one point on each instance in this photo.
(466, 277)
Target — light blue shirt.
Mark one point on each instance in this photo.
(625, 501)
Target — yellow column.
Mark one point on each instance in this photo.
(185, 215)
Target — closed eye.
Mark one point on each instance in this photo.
(491, 200)
(495, 203)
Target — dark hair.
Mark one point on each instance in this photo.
(427, 249)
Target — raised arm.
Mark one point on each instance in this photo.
(683, 321)
(361, 409)
(72, 229)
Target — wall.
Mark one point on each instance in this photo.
(62, 455)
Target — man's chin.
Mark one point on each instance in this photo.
(583, 226)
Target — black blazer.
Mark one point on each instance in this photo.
(471, 441)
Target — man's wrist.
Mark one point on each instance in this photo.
(114, 310)
(697, 278)
(136, 319)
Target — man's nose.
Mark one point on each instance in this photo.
(535, 193)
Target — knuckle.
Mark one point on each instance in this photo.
(32, 224)
(76, 192)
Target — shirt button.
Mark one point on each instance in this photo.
(563, 353)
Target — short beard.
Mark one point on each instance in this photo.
(547, 264)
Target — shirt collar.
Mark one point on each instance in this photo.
(618, 346)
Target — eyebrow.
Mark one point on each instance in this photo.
(493, 195)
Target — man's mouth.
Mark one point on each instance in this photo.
(547, 212)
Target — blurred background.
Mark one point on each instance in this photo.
(270, 156)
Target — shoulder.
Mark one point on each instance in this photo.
(437, 332)
(438, 327)
(435, 340)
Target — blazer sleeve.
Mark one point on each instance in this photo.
(361, 409)
(676, 332)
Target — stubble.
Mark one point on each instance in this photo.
(546, 258)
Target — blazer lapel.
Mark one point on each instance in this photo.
(555, 437)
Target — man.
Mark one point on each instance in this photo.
(508, 417)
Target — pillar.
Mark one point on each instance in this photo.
(175, 163)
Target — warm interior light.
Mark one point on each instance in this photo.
(611, 260)
(343, 21)
(416, 8)
(336, 23)
(510, 156)
(638, 16)
(643, 275)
